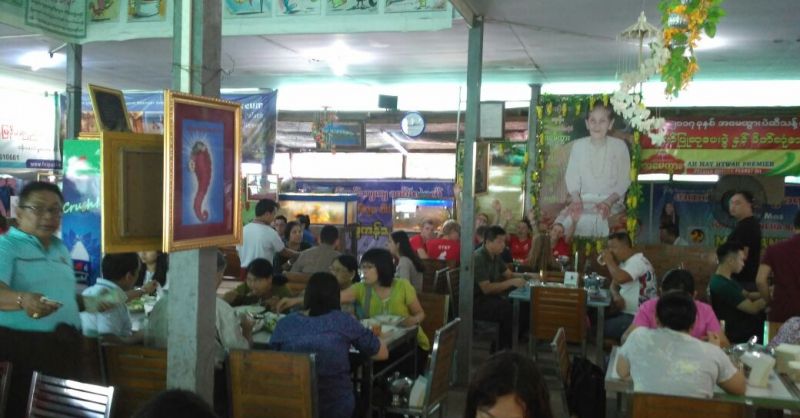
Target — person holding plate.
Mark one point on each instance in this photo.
(37, 280)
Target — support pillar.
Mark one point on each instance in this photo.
(533, 144)
(466, 273)
(197, 36)
(74, 81)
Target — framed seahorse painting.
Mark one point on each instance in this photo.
(202, 139)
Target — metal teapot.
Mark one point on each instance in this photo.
(400, 388)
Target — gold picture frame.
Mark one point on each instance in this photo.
(132, 184)
(202, 149)
(110, 111)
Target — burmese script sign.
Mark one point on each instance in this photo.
(62, 18)
(749, 144)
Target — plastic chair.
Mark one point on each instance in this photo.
(5, 383)
(437, 374)
(646, 405)
(53, 397)
(558, 307)
(272, 384)
(138, 373)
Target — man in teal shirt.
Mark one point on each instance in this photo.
(37, 281)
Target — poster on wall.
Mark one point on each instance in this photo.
(81, 226)
(27, 132)
(395, 6)
(691, 208)
(299, 7)
(375, 199)
(352, 7)
(503, 202)
(8, 191)
(259, 119)
(248, 7)
(727, 141)
(587, 168)
(104, 10)
(146, 10)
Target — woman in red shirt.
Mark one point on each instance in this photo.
(558, 240)
(520, 243)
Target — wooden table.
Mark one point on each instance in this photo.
(781, 392)
(402, 342)
(523, 294)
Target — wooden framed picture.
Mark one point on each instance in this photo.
(345, 135)
(110, 112)
(132, 182)
(202, 139)
(482, 164)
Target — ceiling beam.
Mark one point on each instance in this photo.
(466, 9)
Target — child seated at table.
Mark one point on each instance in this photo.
(261, 287)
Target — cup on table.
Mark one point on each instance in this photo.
(376, 329)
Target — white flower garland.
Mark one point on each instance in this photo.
(629, 104)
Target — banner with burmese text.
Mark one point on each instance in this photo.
(726, 141)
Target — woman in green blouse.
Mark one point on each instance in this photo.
(387, 295)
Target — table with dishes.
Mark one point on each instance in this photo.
(400, 341)
(780, 393)
(596, 298)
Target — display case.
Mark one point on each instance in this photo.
(339, 210)
(322, 208)
(408, 214)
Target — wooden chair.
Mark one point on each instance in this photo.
(432, 275)
(272, 384)
(482, 330)
(138, 373)
(436, 308)
(558, 307)
(52, 397)
(437, 374)
(559, 346)
(772, 330)
(5, 383)
(647, 405)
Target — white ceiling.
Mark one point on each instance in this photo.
(525, 41)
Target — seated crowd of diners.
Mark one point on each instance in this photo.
(658, 322)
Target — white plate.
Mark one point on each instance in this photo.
(389, 319)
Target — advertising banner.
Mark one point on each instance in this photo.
(27, 132)
(80, 227)
(62, 19)
(375, 199)
(751, 141)
(259, 119)
(690, 206)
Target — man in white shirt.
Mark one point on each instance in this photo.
(120, 272)
(233, 332)
(259, 239)
(633, 281)
(667, 360)
(597, 176)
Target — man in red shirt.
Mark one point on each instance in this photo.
(780, 259)
(426, 233)
(448, 247)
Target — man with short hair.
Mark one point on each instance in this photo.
(670, 235)
(120, 272)
(633, 282)
(448, 247)
(780, 260)
(667, 360)
(748, 233)
(259, 239)
(319, 259)
(741, 310)
(493, 281)
(427, 231)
